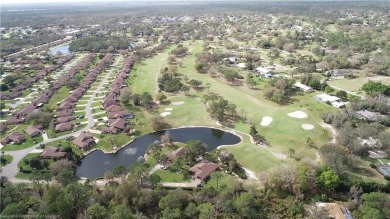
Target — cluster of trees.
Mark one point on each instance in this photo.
(99, 44)
(40, 118)
(170, 83)
(218, 107)
(374, 88)
(180, 51)
(279, 90)
(353, 133)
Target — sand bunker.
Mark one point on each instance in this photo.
(168, 109)
(266, 121)
(165, 114)
(298, 114)
(307, 126)
(178, 103)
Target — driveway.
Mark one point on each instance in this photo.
(192, 184)
(10, 170)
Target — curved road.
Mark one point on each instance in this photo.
(10, 170)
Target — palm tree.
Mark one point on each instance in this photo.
(217, 175)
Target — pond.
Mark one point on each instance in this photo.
(97, 162)
(63, 49)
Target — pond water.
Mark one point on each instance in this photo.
(63, 49)
(97, 162)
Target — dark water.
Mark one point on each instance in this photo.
(63, 49)
(96, 163)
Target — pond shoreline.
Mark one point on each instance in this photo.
(114, 151)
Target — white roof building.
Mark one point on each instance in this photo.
(263, 70)
(303, 87)
(241, 65)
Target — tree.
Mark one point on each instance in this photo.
(158, 123)
(231, 108)
(195, 83)
(328, 179)
(161, 97)
(166, 138)
(96, 211)
(206, 211)
(57, 167)
(119, 171)
(251, 82)
(121, 211)
(154, 179)
(65, 177)
(125, 97)
(72, 84)
(109, 175)
(253, 131)
(373, 88)
(216, 175)
(147, 100)
(342, 95)
(15, 209)
(185, 89)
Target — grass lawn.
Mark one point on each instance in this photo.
(8, 159)
(96, 103)
(26, 167)
(59, 96)
(355, 84)
(118, 139)
(224, 180)
(147, 72)
(168, 176)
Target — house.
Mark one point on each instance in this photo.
(325, 98)
(177, 153)
(334, 210)
(52, 152)
(63, 113)
(14, 137)
(110, 130)
(14, 120)
(369, 116)
(303, 87)
(66, 126)
(264, 71)
(33, 131)
(66, 105)
(203, 169)
(84, 141)
(338, 72)
(117, 123)
(64, 119)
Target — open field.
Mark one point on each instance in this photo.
(356, 84)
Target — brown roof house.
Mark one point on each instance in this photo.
(118, 123)
(84, 141)
(14, 137)
(66, 126)
(203, 169)
(34, 130)
(177, 153)
(53, 152)
(3, 127)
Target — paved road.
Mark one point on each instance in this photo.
(12, 169)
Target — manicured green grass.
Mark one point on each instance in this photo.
(8, 159)
(95, 104)
(224, 180)
(118, 139)
(21, 164)
(147, 72)
(168, 176)
(355, 84)
(59, 96)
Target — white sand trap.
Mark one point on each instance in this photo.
(298, 114)
(165, 114)
(266, 121)
(307, 126)
(178, 103)
(168, 109)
